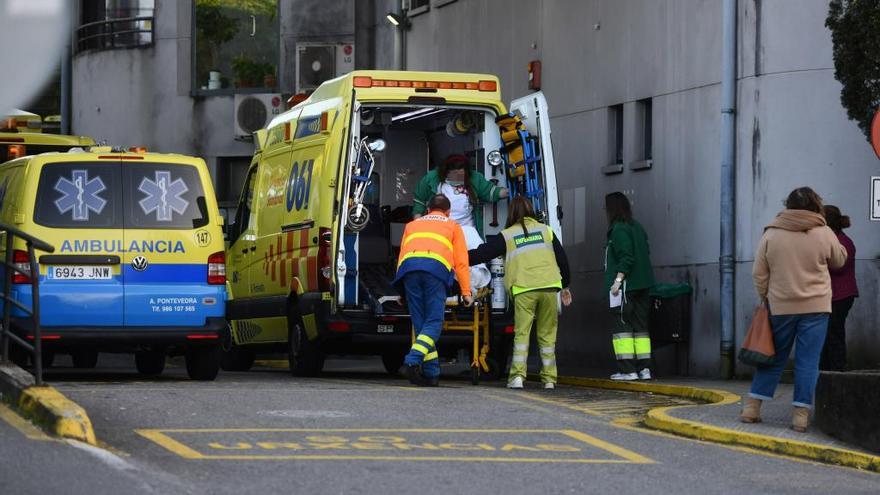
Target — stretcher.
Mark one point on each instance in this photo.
(474, 320)
(524, 175)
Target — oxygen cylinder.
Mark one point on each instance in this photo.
(499, 295)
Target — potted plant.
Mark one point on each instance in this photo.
(269, 79)
(248, 73)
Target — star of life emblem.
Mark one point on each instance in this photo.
(163, 196)
(80, 195)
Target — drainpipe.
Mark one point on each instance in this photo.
(727, 262)
(65, 84)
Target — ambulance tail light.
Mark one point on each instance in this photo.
(22, 262)
(325, 273)
(15, 151)
(217, 269)
(137, 149)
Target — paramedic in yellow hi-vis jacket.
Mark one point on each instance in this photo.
(433, 248)
(535, 270)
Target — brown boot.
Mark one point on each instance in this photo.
(800, 419)
(751, 412)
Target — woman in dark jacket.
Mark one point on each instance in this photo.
(628, 269)
(843, 293)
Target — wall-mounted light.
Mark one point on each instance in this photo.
(397, 20)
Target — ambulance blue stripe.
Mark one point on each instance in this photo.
(167, 273)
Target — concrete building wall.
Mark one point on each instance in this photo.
(144, 96)
(791, 131)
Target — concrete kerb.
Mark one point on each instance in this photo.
(45, 406)
(659, 419)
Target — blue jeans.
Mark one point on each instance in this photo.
(809, 332)
(426, 300)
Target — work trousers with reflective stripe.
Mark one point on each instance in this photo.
(530, 306)
(426, 300)
(631, 340)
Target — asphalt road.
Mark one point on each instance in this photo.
(356, 430)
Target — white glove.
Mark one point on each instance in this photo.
(615, 287)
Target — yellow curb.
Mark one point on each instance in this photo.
(659, 419)
(47, 407)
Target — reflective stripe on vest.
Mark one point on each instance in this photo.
(428, 237)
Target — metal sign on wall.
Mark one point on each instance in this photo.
(875, 199)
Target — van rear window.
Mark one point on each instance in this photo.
(79, 195)
(164, 196)
(113, 195)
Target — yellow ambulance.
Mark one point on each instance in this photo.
(315, 238)
(139, 259)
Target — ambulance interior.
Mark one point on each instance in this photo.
(417, 139)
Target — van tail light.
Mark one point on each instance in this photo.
(217, 269)
(325, 266)
(21, 262)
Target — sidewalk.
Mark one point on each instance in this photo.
(716, 419)
(775, 414)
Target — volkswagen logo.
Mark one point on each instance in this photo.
(139, 263)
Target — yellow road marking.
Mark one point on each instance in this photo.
(169, 443)
(587, 410)
(614, 449)
(162, 437)
(23, 426)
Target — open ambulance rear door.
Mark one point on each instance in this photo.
(534, 113)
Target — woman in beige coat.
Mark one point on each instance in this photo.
(791, 274)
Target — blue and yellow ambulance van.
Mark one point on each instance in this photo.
(139, 264)
(314, 243)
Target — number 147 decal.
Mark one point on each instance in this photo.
(299, 185)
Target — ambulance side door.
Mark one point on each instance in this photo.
(536, 117)
(243, 239)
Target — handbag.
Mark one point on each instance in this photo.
(758, 348)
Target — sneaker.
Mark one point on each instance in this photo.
(413, 373)
(645, 374)
(627, 377)
(431, 382)
(517, 382)
(549, 386)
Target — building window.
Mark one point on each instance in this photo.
(646, 112)
(417, 7)
(615, 114)
(113, 24)
(236, 47)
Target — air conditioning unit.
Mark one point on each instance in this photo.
(319, 62)
(254, 111)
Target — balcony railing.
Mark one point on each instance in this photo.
(123, 32)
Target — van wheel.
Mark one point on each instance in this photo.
(203, 363)
(237, 359)
(85, 359)
(393, 361)
(150, 363)
(304, 357)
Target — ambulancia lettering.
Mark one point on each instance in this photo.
(117, 246)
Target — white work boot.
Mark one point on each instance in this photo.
(645, 374)
(625, 377)
(549, 386)
(517, 382)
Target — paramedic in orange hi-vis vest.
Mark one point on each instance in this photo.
(432, 250)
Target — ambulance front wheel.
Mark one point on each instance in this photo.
(203, 363)
(303, 356)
